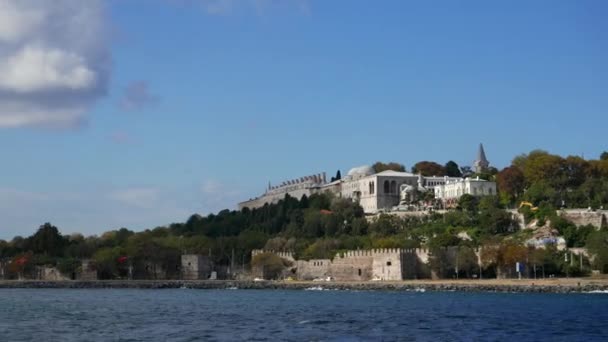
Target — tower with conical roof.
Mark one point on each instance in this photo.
(481, 163)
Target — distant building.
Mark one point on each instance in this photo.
(382, 191)
(451, 191)
(481, 164)
(375, 192)
(296, 188)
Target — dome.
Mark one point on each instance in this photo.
(361, 171)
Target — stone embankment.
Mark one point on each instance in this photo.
(527, 286)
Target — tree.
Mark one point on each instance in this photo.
(468, 203)
(47, 241)
(510, 181)
(466, 171)
(452, 169)
(604, 155)
(467, 261)
(337, 177)
(542, 166)
(429, 168)
(380, 166)
(575, 169)
(270, 265)
(597, 244)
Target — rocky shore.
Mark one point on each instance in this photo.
(570, 286)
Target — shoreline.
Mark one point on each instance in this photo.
(560, 285)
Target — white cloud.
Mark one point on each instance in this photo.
(36, 68)
(54, 61)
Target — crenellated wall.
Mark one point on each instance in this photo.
(296, 188)
(285, 255)
(385, 264)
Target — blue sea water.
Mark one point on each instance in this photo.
(284, 315)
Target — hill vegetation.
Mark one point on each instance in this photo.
(321, 225)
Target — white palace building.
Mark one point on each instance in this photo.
(377, 191)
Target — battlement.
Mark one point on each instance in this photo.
(284, 255)
(318, 178)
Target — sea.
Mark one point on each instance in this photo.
(298, 315)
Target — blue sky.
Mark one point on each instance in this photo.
(159, 109)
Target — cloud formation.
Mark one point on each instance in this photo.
(54, 61)
(137, 96)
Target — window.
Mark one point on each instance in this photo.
(393, 187)
(388, 263)
(386, 187)
(359, 272)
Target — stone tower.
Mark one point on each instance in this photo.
(481, 163)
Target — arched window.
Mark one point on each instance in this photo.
(393, 187)
(386, 187)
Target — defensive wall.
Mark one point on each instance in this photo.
(387, 264)
(583, 217)
(296, 188)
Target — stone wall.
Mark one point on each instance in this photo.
(285, 255)
(49, 274)
(87, 271)
(313, 269)
(583, 217)
(389, 264)
(354, 267)
(296, 188)
(194, 266)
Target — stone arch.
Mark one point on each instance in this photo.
(387, 186)
(393, 187)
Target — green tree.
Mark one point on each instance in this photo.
(47, 240)
(597, 245)
(452, 169)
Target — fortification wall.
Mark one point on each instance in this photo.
(194, 266)
(49, 273)
(387, 266)
(352, 268)
(285, 255)
(296, 188)
(582, 217)
(313, 269)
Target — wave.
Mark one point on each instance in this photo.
(315, 288)
(597, 291)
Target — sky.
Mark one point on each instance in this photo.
(139, 113)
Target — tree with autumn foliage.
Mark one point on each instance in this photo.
(511, 183)
(380, 166)
(429, 168)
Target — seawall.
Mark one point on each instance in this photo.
(570, 285)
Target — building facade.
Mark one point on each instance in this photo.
(452, 190)
(382, 191)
